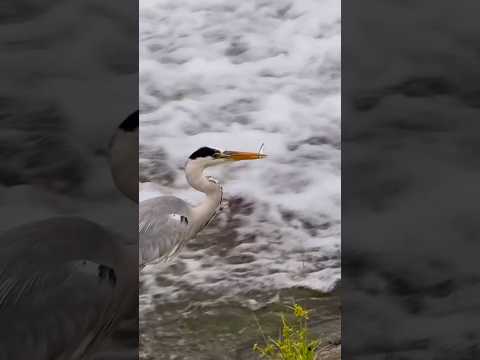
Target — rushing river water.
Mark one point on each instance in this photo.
(234, 76)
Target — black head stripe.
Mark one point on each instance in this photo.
(204, 152)
(130, 123)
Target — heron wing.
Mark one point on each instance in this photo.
(52, 304)
(164, 224)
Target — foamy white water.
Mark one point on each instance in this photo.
(235, 75)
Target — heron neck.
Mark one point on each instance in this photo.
(203, 212)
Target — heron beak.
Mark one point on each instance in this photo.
(240, 155)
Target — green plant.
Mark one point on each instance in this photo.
(294, 341)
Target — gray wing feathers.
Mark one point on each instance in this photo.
(55, 298)
(164, 224)
(49, 312)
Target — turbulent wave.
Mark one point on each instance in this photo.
(235, 75)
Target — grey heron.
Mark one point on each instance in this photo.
(167, 222)
(66, 282)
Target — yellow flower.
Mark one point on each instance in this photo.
(300, 312)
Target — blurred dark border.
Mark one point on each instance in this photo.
(410, 175)
(69, 78)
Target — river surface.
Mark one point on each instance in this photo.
(234, 76)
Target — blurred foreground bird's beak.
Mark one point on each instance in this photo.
(240, 155)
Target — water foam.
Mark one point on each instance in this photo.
(234, 76)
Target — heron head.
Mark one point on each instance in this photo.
(123, 151)
(208, 156)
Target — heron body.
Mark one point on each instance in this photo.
(65, 282)
(166, 223)
(170, 228)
